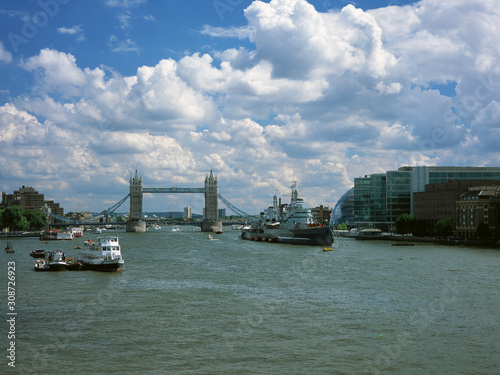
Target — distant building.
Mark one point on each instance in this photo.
(321, 214)
(188, 213)
(343, 212)
(379, 199)
(28, 198)
(222, 213)
(437, 202)
(480, 204)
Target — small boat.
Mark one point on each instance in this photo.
(9, 249)
(175, 229)
(37, 253)
(73, 264)
(57, 261)
(210, 237)
(41, 266)
(328, 249)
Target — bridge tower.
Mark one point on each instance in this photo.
(211, 222)
(136, 221)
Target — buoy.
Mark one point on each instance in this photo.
(327, 248)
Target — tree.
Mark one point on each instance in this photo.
(36, 219)
(483, 231)
(444, 228)
(342, 226)
(14, 219)
(405, 224)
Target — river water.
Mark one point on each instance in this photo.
(187, 305)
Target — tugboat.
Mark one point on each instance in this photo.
(9, 249)
(102, 255)
(57, 261)
(289, 223)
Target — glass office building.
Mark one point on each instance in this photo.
(379, 199)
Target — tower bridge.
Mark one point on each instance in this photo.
(210, 223)
(136, 223)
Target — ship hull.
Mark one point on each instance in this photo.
(318, 236)
(104, 266)
(57, 266)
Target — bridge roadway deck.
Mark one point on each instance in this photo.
(173, 190)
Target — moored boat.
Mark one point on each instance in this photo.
(73, 264)
(102, 255)
(38, 253)
(9, 249)
(57, 261)
(56, 234)
(65, 236)
(41, 265)
(288, 223)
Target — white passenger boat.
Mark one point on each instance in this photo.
(65, 236)
(102, 255)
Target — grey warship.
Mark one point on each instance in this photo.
(288, 223)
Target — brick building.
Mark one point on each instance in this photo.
(438, 200)
(480, 204)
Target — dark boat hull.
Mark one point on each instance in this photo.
(317, 236)
(57, 266)
(104, 267)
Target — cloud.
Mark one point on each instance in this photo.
(125, 19)
(322, 97)
(302, 43)
(5, 56)
(233, 32)
(56, 71)
(127, 45)
(75, 30)
(124, 3)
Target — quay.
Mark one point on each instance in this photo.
(19, 234)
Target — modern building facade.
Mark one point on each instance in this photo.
(343, 212)
(379, 199)
(188, 213)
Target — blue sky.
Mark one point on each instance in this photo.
(262, 92)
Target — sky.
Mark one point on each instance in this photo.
(260, 92)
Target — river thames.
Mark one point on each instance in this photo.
(187, 305)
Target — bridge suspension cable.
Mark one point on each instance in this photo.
(233, 208)
(106, 212)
